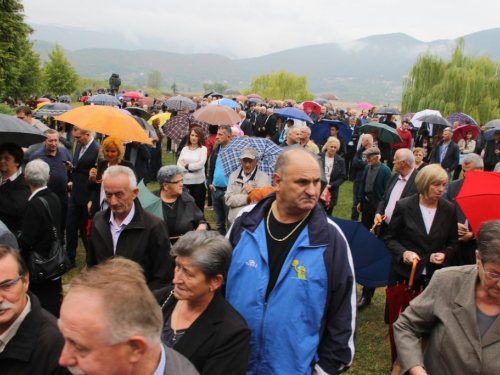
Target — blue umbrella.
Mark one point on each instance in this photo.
(227, 102)
(290, 112)
(321, 101)
(321, 130)
(254, 100)
(370, 256)
(488, 135)
(103, 99)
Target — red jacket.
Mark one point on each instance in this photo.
(406, 137)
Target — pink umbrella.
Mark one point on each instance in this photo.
(364, 105)
(254, 96)
(133, 95)
(460, 132)
(241, 97)
(316, 108)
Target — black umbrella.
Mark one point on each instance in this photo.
(435, 119)
(103, 99)
(231, 92)
(387, 111)
(19, 132)
(65, 98)
(217, 95)
(53, 109)
(143, 123)
(139, 112)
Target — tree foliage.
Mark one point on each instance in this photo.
(281, 86)
(174, 88)
(467, 84)
(19, 65)
(60, 76)
(214, 87)
(154, 79)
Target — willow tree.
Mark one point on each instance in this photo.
(467, 84)
(281, 85)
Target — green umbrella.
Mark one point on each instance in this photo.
(149, 201)
(385, 132)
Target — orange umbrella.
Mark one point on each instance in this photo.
(106, 120)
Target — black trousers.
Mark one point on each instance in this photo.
(155, 162)
(50, 295)
(76, 219)
(198, 192)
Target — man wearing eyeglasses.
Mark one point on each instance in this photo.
(126, 229)
(30, 342)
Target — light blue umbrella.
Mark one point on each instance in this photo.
(290, 112)
(227, 102)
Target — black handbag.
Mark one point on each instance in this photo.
(55, 265)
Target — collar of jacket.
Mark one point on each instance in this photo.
(138, 219)
(317, 227)
(252, 176)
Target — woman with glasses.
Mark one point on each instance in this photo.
(179, 208)
(459, 313)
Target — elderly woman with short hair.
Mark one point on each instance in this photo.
(459, 312)
(179, 208)
(37, 231)
(198, 322)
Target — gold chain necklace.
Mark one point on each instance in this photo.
(294, 229)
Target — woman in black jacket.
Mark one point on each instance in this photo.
(334, 167)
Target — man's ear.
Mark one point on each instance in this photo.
(138, 347)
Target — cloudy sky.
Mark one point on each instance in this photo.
(242, 28)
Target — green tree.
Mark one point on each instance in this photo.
(467, 84)
(60, 76)
(174, 88)
(281, 86)
(154, 79)
(19, 65)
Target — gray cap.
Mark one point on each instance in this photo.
(248, 153)
(372, 151)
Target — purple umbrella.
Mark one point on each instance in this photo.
(462, 118)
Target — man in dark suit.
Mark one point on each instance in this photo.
(85, 158)
(260, 124)
(245, 125)
(468, 246)
(446, 153)
(252, 115)
(270, 123)
(400, 185)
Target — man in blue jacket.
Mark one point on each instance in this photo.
(292, 276)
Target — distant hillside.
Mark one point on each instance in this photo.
(370, 68)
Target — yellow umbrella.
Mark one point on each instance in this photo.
(106, 120)
(40, 105)
(162, 116)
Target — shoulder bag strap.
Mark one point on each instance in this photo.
(50, 216)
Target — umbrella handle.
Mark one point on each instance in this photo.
(412, 275)
(377, 224)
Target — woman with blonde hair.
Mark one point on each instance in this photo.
(113, 151)
(334, 167)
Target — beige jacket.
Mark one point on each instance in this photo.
(446, 311)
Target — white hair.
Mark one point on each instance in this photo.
(37, 173)
(118, 170)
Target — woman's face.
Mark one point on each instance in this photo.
(469, 135)
(436, 190)
(8, 166)
(489, 276)
(175, 186)
(189, 282)
(111, 154)
(331, 149)
(193, 138)
(418, 157)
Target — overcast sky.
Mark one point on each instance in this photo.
(248, 28)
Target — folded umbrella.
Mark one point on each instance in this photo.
(106, 120)
(385, 132)
(13, 130)
(460, 132)
(294, 113)
(217, 115)
(321, 130)
(178, 103)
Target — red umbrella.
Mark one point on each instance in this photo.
(460, 132)
(42, 100)
(316, 108)
(241, 97)
(398, 299)
(254, 96)
(133, 95)
(479, 198)
(364, 105)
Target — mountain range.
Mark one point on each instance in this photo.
(367, 69)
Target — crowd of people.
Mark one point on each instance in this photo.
(271, 288)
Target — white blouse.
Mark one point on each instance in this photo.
(196, 160)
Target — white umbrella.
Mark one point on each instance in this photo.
(417, 123)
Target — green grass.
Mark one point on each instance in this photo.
(372, 347)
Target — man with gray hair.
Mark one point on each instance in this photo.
(245, 125)
(305, 140)
(466, 254)
(126, 229)
(243, 180)
(112, 325)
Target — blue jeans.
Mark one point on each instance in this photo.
(220, 210)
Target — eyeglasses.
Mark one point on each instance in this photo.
(175, 182)
(7, 285)
(491, 275)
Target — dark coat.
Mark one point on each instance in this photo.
(247, 127)
(189, 216)
(450, 160)
(144, 240)
(407, 232)
(80, 174)
(358, 165)
(410, 189)
(95, 187)
(13, 200)
(337, 177)
(381, 181)
(37, 233)
(141, 162)
(490, 158)
(213, 158)
(260, 124)
(36, 346)
(271, 125)
(217, 342)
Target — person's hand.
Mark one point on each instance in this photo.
(378, 219)
(249, 188)
(358, 207)
(408, 257)
(211, 187)
(417, 370)
(437, 258)
(464, 234)
(93, 174)
(70, 185)
(314, 372)
(328, 186)
(68, 166)
(183, 163)
(155, 139)
(89, 205)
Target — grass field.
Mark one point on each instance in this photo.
(372, 347)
